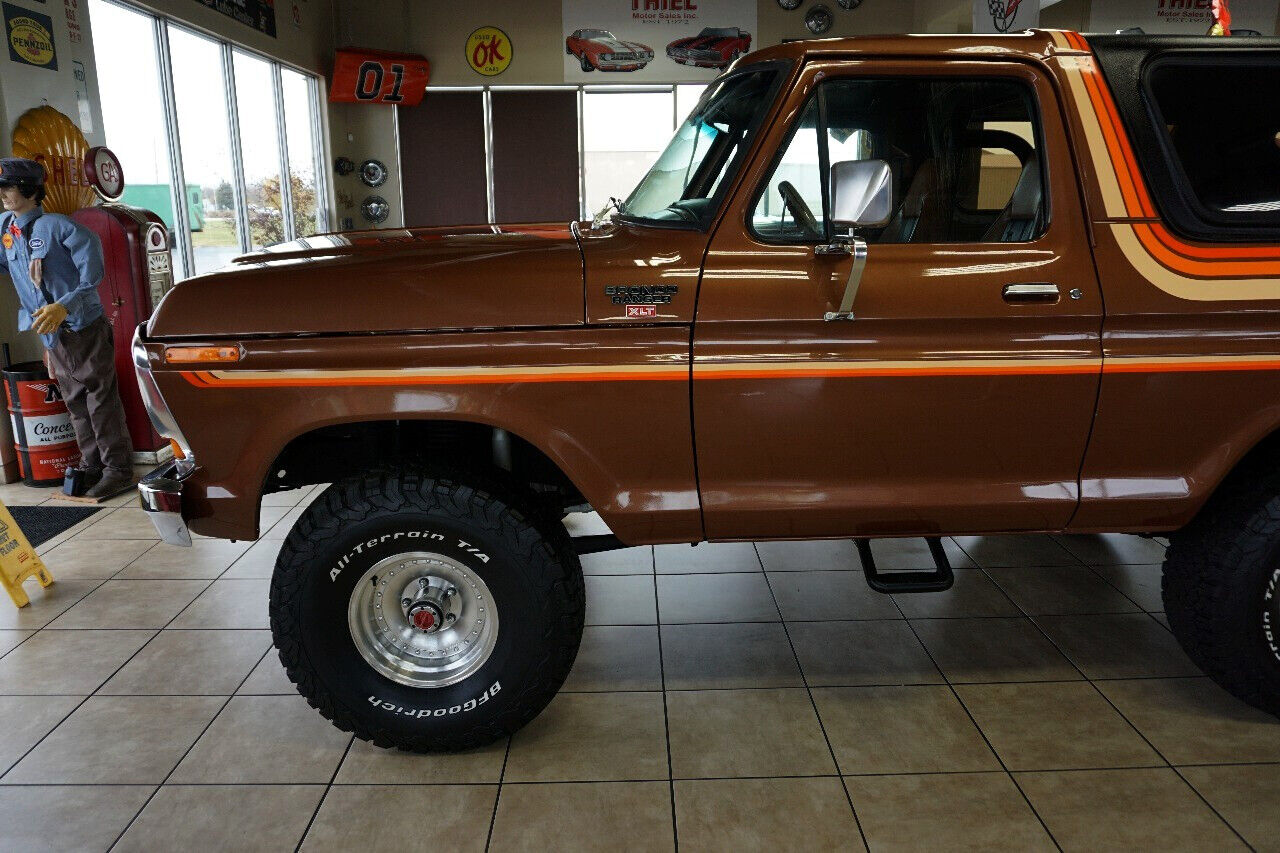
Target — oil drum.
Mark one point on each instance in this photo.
(42, 430)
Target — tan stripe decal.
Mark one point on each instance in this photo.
(1198, 289)
(705, 371)
(1103, 168)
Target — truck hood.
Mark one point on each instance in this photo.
(420, 279)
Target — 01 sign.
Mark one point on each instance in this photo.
(378, 77)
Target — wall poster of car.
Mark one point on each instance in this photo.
(654, 41)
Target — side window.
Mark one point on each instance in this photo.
(964, 155)
(1219, 137)
(790, 209)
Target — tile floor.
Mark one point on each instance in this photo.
(727, 697)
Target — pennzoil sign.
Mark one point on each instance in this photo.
(30, 37)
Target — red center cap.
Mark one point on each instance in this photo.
(423, 619)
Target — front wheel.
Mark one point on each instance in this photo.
(428, 613)
(1222, 592)
(586, 63)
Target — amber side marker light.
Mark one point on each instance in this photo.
(192, 355)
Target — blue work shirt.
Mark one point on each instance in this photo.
(72, 267)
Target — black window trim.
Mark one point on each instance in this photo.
(780, 67)
(1123, 60)
(1037, 123)
(1211, 221)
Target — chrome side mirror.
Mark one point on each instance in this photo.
(861, 193)
(861, 196)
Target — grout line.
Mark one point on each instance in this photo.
(186, 752)
(614, 781)
(497, 795)
(706, 689)
(81, 703)
(666, 717)
(956, 695)
(1167, 764)
(813, 703)
(45, 627)
(327, 788)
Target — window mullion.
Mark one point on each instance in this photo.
(487, 104)
(320, 161)
(237, 154)
(582, 156)
(178, 191)
(824, 163)
(282, 138)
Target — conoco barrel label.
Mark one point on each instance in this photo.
(48, 430)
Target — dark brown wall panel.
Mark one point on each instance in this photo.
(535, 156)
(442, 160)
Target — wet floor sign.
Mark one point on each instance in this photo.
(18, 560)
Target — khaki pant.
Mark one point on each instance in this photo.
(84, 364)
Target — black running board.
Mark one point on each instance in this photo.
(938, 580)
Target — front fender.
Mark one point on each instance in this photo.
(610, 407)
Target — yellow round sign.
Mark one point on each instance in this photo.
(31, 40)
(488, 51)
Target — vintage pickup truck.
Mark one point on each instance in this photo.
(877, 287)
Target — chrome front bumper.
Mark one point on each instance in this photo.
(161, 496)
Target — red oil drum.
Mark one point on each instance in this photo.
(42, 431)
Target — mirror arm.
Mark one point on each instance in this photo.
(858, 248)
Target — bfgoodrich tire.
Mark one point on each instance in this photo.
(429, 613)
(1222, 591)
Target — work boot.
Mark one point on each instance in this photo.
(112, 483)
(90, 477)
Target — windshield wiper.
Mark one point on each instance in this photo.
(602, 217)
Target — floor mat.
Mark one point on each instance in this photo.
(42, 523)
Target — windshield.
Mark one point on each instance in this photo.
(683, 184)
(596, 34)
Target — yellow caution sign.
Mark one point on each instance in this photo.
(18, 560)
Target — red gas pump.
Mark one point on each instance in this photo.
(139, 271)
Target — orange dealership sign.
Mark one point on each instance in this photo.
(378, 77)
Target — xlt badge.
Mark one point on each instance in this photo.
(642, 294)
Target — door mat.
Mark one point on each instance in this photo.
(41, 523)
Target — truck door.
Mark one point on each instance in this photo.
(960, 395)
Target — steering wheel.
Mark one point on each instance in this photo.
(803, 215)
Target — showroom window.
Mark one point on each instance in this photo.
(205, 132)
(620, 132)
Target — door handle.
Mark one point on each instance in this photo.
(1031, 293)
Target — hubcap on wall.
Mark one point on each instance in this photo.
(423, 619)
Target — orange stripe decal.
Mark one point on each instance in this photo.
(712, 371)
(1217, 269)
(1168, 262)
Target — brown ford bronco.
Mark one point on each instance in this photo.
(877, 287)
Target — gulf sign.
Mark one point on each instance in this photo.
(378, 77)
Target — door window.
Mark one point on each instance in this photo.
(964, 155)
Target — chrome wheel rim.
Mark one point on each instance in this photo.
(423, 619)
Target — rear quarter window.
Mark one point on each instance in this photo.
(1217, 119)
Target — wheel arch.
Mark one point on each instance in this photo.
(1263, 455)
(321, 453)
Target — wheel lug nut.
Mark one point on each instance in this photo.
(406, 602)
